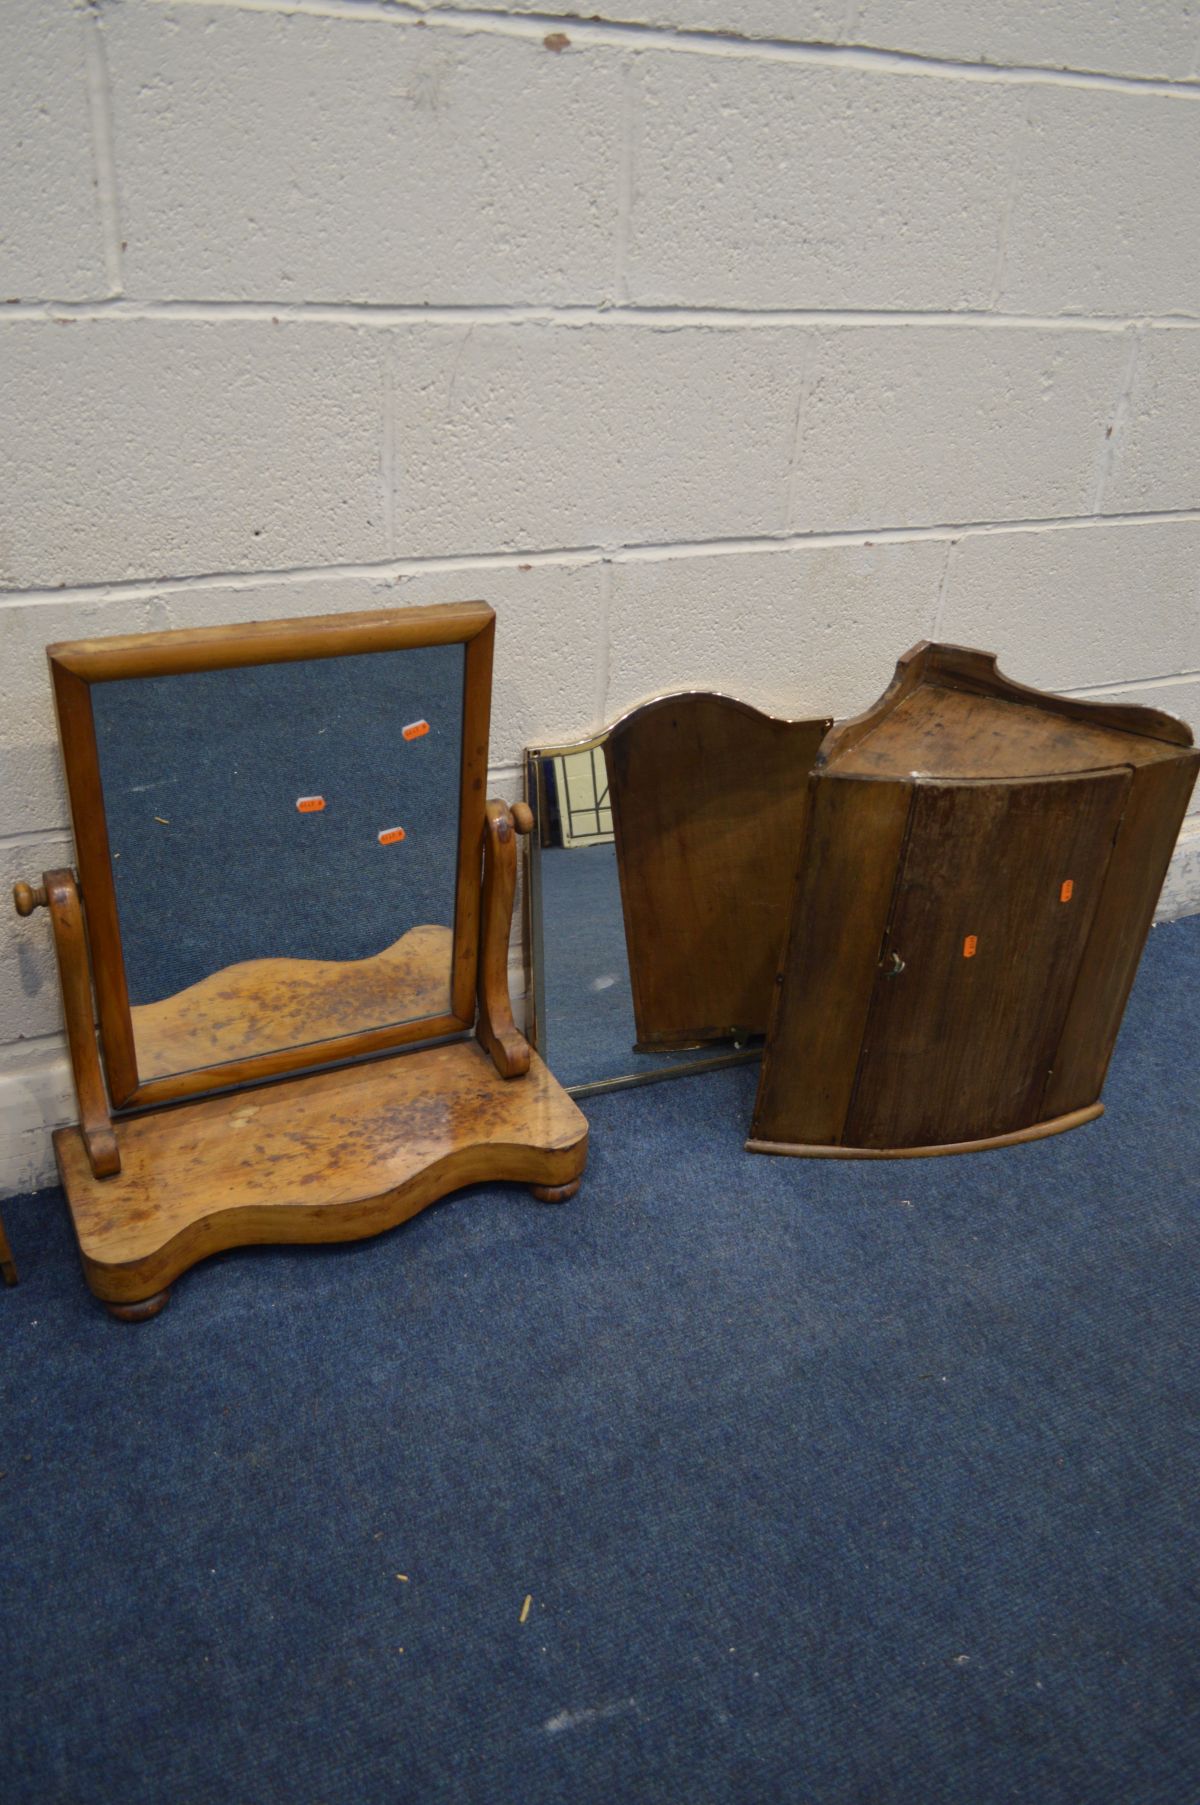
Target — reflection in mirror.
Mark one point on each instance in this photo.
(583, 1006)
(284, 843)
(659, 879)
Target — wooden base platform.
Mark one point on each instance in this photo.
(332, 1157)
(1038, 1132)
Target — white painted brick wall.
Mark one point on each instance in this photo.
(767, 184)
(922, 426)
(807, 630)
(1122, 37)
(50, 227)
(1156, 456)
(161, 447)
(523, 437)
(374, 164)
(1070, 607)
(727, 342)
(1105, 211)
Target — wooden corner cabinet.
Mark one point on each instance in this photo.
(978, 876)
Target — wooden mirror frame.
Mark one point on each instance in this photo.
(77, 665)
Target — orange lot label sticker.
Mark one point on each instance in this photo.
(1068, 890)
(391, 835)
(415, 730)
(310, 805)
(969, 945)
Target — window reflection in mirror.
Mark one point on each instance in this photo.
(284, 849)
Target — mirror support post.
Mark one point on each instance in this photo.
(60, 894)
(495, 1029)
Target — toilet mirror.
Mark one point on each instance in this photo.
(278, 830)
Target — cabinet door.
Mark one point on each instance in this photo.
(994, 900)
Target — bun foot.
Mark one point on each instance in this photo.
(142, 1311)
(556, 1193)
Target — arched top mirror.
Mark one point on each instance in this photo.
(660, 875)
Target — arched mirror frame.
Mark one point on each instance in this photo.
(710, 1052)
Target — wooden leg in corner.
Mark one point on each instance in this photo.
(556, 1193)
(8, 1266)
(143, 1310)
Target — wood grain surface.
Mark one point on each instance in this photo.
(957, 1046)
(964, 670)
(709, 799)
(332, 1157)
(74, 980)
(939, 732)
(1075, 1118)
(263, 1005)
(958, 982)
(510, 1052)
(830, 962)
(1158, 799)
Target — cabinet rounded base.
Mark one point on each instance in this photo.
(1075, 1118)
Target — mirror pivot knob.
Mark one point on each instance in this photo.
(28, 897)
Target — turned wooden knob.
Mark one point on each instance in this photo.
(27, 897)
(522, 817)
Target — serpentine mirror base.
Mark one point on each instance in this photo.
(331, 1157)
(232, 944)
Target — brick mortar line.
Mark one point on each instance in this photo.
(943, 590)
(727, 45)
(1109, 689)
(382, 316)
(50, 1039)
(1114, 441)
(1020, 144)
(626, 176)
(99, 98)
(151, 588)
(21, 839)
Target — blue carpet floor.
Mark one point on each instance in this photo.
(829, 1482)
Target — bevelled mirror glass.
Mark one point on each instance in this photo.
(271, 825)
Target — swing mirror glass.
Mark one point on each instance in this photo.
(582, 989)
(276, 877)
